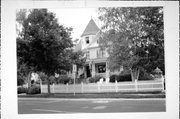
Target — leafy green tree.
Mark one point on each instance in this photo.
(42, 44)
(134, 37)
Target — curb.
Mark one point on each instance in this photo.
(89, 99)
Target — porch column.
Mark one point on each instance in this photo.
(93, 70)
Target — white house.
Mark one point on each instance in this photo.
(96, 62)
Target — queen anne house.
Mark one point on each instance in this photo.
(96, 58)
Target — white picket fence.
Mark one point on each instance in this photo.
(106, 87)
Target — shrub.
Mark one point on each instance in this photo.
(143, 75)
(146, 76)
(113, 78)
(43, 77)
(51, 79)
(34, 90)
(120, 78)
(63, 79)
(79, 80)
(20, 81)
(22, 90)
(94, 79)
(125, 77)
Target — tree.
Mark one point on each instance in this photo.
(42, 43)
(134, 37)
(22, 68)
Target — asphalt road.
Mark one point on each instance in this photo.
(50, 106)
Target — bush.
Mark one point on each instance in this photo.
(22, 90)
(120, 78)
(79, 80)
(113, 78)
(20, 81)
(143, 75)
(34, 90)
(63, 79)
(94, 79)
(125, 77)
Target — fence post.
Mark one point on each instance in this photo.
(67, 87)
(136, 85)
(98, 87)
(116, 87)
(81, 87)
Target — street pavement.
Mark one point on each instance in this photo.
(51, 106)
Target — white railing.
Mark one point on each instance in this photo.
(106, 87)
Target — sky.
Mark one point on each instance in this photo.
(77, 18)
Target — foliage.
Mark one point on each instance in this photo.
(133, 36)
(143, 75)
(43, 77)
(22, 90)
(113, 78)
(80, 79)
(22, 72)
(63, 79)
(43, 43)
(34, 90)
(120, 78)
(78, 58)
(94, 79)
(20, 81)
(125, 76)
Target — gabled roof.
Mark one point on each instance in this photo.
(91, 28)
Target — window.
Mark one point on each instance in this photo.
(101, 53)
(87, 40)
(101, 68)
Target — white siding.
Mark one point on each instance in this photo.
(93, 54)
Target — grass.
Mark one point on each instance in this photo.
(98, 95)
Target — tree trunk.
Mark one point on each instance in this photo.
(135, 74)
(29, 81)
(48, 85)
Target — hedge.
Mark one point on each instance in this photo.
(120, 78)
(94, 79)
(34, 90)
(127, 77)
(22, 90)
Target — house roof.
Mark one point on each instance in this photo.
(91, 28)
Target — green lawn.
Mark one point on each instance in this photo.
(99, 95)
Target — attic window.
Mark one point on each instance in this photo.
(87, 40)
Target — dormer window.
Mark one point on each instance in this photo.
(87, 40)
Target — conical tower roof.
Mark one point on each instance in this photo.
(91, 28)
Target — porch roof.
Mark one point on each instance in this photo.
(96, 60)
